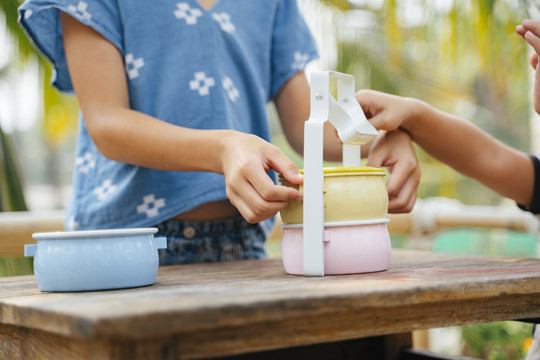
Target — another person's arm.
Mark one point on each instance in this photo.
(454, 141)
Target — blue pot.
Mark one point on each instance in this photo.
(95, 260)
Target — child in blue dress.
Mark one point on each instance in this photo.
(173, 130)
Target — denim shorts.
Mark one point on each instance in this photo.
(190, 242)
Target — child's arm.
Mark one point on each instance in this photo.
(392, 150)
(293, 107)
(454, 141)
(99, 79)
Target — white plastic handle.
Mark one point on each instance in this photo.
(346, 115)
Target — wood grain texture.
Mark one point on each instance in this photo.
(18, 343)
(228, 308)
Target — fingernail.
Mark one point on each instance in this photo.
(527, 22)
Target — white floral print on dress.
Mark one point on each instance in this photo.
(150, 205)
(224, 20)
(106, 189)
(133, 65)
(189, 14)
(232, 91)
(80, 10)
(201, 83)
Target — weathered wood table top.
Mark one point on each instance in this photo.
(207, 310)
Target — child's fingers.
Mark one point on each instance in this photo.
(402, 177)
(533, 40)
(252, 202)
(377, 105)
(532, 26)
(532, 33)
(267, 191)
(378, 121)
(402, 187)
(251, 207)
(265, 188)
(283, 165)
(533, 60)
(521, 30)
(403, 203)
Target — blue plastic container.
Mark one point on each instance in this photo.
(95, 260)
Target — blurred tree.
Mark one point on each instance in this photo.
(11, 188)
(58, 112)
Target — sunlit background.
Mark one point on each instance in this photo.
(461, 56)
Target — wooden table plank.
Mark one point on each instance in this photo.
(209, 309)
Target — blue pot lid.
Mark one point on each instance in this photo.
(93, 233)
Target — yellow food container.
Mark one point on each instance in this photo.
(350, 194)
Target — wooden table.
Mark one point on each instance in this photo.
(211, 310)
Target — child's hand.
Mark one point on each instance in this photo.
(245, 161)
(530, 31)
(385, 111)
(394, 151)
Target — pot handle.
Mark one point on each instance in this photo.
(160, 242)
(327, 236)
(30, 250)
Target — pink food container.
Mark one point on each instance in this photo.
(355, 235)
(348, 249)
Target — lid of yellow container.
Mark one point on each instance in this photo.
(351, 170)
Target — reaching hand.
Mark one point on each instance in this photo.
(394, 151)
(530, 31)
(245, 161)
(385, 111)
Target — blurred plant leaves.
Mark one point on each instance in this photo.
(11, 189)
(11, 184)
(22, 43)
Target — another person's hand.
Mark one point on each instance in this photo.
(394, 150)
(245, 161)
(530, 31)
(385, 111)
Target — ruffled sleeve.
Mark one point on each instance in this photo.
(292, 45)
(41, 22)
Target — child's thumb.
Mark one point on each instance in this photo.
(378, 122)
(289, 171)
